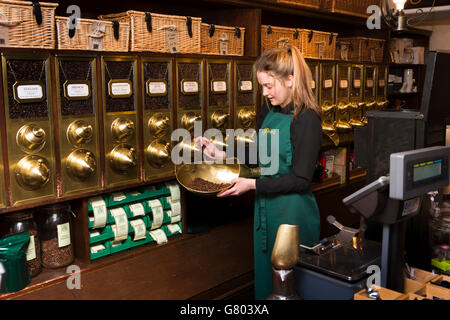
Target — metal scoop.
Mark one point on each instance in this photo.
(346, 234)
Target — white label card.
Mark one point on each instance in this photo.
(100, 212)
(139, 229)
(4, 36)
(31, 250)
(219, 86)
(190, 86)
(369, 83)
(343, 84)
(357, 83)
(174, 191)
(63, 234)
(246, 85)
(313, 84)
(381, 83)
(172, 41)
(159, 236)
(174, 228)
(77, 90)
(30, 91)
(120, 88)
(118, 196)
(158, 213)
(97, 248)
(137, 209)
(157, 87)
(328, 83)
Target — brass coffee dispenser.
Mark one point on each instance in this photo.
(76, 89)
(29, 127)
(356, 95)
(327, 100)
(121, 123)
(343, 108)
(382, 81)
(245, 89)
(369, 90)
(314, 67)
(157, 118)
(189, 84)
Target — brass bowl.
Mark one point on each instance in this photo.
(209, 171)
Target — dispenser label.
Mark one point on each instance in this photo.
(174, 228)
(156, 88)
(137, 209)
(328, 83)
(343, 84)
(77, 90)
(369, 83)
(139, 229)
(219, 86)
(28, 91)
(63, 234)
(100, 213)
(245, 86)
(381, 83)
(120, 88)
(159, 236)
(189, 87)
(158, 213)
(357, 83)
(313, 84)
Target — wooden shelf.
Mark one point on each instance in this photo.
(406, 65)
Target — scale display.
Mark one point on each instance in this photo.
(427, 170)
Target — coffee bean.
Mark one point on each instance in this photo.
(200, 184)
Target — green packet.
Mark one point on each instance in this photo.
(13, 257)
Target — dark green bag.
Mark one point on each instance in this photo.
(13, 257)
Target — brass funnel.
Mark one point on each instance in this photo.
(122, 158)
(32, 172)
(286, 248)
(247, 117)
(188, 120)
(219, 119)
(343, 117)
(122, 129)
(81, 164)
(158, 153)
(79, 132)
(158, 125)
(31, 137)
(355, 115)
(213, 172)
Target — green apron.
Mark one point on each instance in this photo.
(273, 210)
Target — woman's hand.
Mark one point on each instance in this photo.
(241, 186)
(210, 149)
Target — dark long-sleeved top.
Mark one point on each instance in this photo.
(306, 140)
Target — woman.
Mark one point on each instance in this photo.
(283, 198)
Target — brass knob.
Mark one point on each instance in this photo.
(158, 153)
(81, 164)
(188, 120)
(122, 129)
(31, 137)
(159, 125)
(122, 158)
(219, 119)
(247, 117)
(79, 132)
(32, 172)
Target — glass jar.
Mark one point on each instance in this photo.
(439, 232)
(55, 230)
(23, 221)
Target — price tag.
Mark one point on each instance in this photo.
(137, 209)
(118, 196)
(158, 213)
(246, 86)
(4, 36)
(156, 88)
(189, 87)
(159, 236)
(369, 83)
(139, 229)
(328, 83)
(77, 90)
(357, 83)
(63, 231)
(174, 191)
(100, 212)
(28, 91)
(223, 46)
(31, 250)
(120, 228)
(120, 88)
(172, 40)
(174, 228)
(218, 86)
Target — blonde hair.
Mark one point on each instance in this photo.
(282, 62)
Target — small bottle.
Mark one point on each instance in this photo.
(55, 230)
(24, 221)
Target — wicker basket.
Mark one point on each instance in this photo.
(19, 27)
(159, 32)
(277, 37)
(351, 7)
(302, 3)
(360, 49)
(222, 40)
(92, 35)
(319, 44)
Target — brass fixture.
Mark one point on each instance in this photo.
(158, 153)
(343, 117)
(382, 105)
(79, 132)
(188, 120)
(355, 115)
(159, 125)
(31, 137)
(247, 117)
(32, 172)
(219, 119)
(328, 117)
(286, 248)
(122, 158)
(122, 129)
(81, 164)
